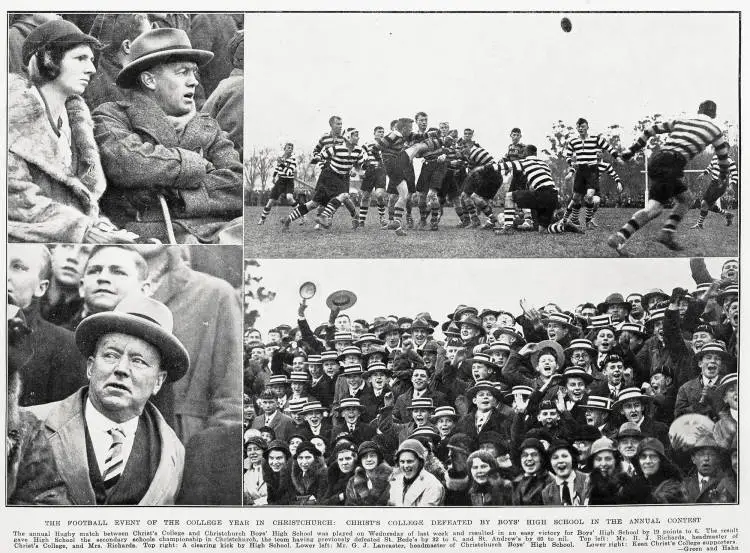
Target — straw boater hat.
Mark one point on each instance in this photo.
(421, 403)
(654, 316)
(497, 346)
(349, 350)
(654, 293)
(634, 295)
(159, 46)
(296, 405)
(524, 390)
(575, 372)
(726, 382)
(484, 385)
(299, 376)
(714, 347)
(352, 370)
(484, 359)
(312, 407)
(444, 411)
(329, 355)
(627, 394)
(142, 317)
(580, 343)
(314, 360)
(597, 402)
(561, 318)
(376, 366)
(350, 403)
(701, 289)
(515, 334)
(277, 380)
(598, 322)
(633, 328)
(731, 290)
(343, 337)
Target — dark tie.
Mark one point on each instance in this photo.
(566, 499)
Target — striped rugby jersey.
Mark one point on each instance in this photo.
(373, 153)
(391, 145)
(326, 140)
(606, 167)
(341, 160)
(536, 170)
(714, 170)
(455, 158)
(586, 149)
(286, 167)
(478, 157)
(688, 138)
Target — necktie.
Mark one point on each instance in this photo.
(114, 464)
(702, 483)
(566, 499)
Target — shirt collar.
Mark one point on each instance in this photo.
(569, 480)
(98, 422)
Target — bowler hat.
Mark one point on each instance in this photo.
(144, 318)
(159, 46)
(58, 32)
(613, 299)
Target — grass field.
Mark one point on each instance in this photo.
(302, 241)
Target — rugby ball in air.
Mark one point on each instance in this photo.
(566, 25)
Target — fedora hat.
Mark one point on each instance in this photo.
(450, 328)
(159, 46)
(473, 320)
(390, 326)
(142, 317)
(548, 344)
(425, 315)
(627, 394)
(460, 310)
(613, 299)
(368, 338)
(629, 430)
(422, 324)
(487, 312)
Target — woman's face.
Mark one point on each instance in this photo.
(649, 461)
(627, 446)
(76, 69)
(305, 460)
(604, 462)
(369, 460)
(254, 453)
(276, 460)
(479, 470)
(531, 460)
(293, 443)
(562, 462)
(320, 444)
(345, 459)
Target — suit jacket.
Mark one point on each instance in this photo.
(400, 411)
(323, 391)
(711, 492)
(362, 432)
(688, 400)
(64, 424)
(282, 424)
(551, 493)
(425, 491)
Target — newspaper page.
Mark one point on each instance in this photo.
(477, 260)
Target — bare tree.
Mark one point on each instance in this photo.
(255, 292)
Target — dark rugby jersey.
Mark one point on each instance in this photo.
(285, 167)
(688, 138)
(515, 152)
(536, 170)
(373, 153)
(326, 140)
(455, 158)
(391, 145)
(606, 167)
(341, 160)
(714, 170)
(586, 150)
(478, 157)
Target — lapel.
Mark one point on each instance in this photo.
(412, 495)
(168, 476)
(148, 118)
(68, 442)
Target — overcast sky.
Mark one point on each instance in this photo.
(407, 287)
(487, 71)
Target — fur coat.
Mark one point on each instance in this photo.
(47, 201)
(32, 477)
(364, 491)
(312, 484)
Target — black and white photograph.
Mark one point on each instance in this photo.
(596, 382)
(124, 372)
(125, 128)
(493, 135)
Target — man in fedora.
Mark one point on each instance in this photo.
(701, 394)
(703, 483)
(616, 307)
(270, 416)
(156, 144)
(111, 445)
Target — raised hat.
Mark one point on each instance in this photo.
(341, 299)
(59, 32)
(144, 318)
(157, 46)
